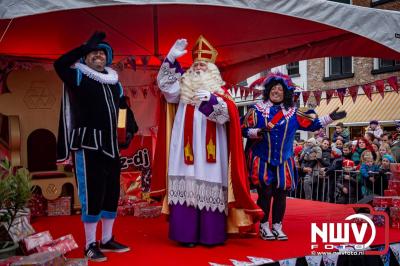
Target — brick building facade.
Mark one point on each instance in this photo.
(332, 73)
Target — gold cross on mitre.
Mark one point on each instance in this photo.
(204, 51)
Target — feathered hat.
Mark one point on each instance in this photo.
(286, 81)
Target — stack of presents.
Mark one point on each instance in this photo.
(133, 201)
(40, 248)
(390, 202)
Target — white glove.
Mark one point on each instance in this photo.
(177, 50)
(202, 95)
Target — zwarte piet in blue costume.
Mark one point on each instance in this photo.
(270, 127)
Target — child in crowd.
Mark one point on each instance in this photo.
(347, 151)
(347, 184)
(368, 171)
(332, 172)
(382, 180)
(309, 162)
(384, 149)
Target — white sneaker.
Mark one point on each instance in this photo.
(278, 233)
(265, 232)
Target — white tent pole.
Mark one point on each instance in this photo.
(5, 31)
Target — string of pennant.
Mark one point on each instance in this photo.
(134, 92)
(381, 86)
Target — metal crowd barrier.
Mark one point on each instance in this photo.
(329, 188)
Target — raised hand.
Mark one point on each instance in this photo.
(177, 50)
(95, 39)
(202, 95)
(335, 115)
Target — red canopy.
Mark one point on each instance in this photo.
(248, 38)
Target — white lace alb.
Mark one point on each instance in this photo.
(197, 193)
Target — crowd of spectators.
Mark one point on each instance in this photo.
(344, 170)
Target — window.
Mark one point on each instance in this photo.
(342, 1)
(385, 66)
(293, 69)
(338, 68)
(243, 83)
(379, 2)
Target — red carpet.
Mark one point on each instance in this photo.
(148, 238)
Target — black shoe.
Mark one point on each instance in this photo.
(187, 245)
(113, 246)
(93, 253)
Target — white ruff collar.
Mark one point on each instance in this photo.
(110, 78)
(264, 107)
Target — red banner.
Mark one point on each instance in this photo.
(145, 91)
(392, 81)
(236, 89)
(353, 91)
(329, 94)
(341, 93)
(296, 96)
(367, 90)
(246, 92)
(242, 92)
(256, 93)
(306, 95)
(380, 86)
(317, 95)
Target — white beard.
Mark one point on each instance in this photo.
(191, 82)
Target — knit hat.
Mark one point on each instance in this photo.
(312, 140)
(348, 163)
(336, 153)
(388, 157)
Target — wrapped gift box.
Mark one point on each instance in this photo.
(395, 217)
(21, 227)
(390, 193)
(38, 205)
(379, 220)
(124, 210)
(382, 201)
(36, 240)
(60, 206)
(394, 185)
(148, 211)
(50, 258)
(396, 202)
(395, 170)
(63, 245)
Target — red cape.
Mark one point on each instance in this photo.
(239, 175)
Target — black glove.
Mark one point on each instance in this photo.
(263, 131)
(335, 115)
(122, 102)
(95, 39)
